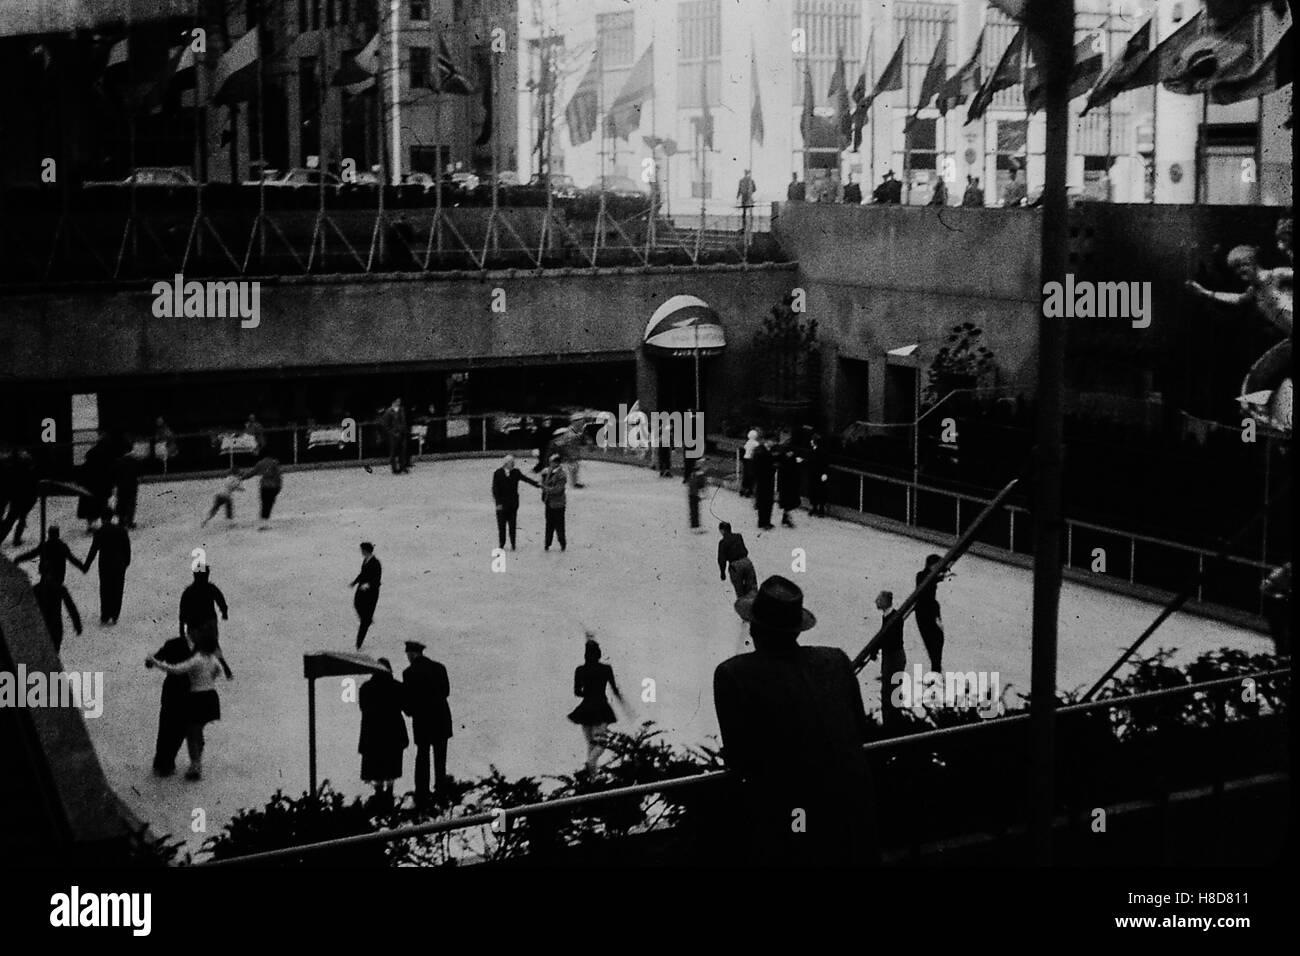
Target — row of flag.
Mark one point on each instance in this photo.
(235, 78)
(1216, 53)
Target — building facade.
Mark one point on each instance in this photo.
(1146, 145)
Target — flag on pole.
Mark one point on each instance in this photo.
(358, 73)
(236, 76)
(1269, 75)
(1160, 62)
(934, 73)
(963, 84)
(1083, 74)
(447, 76)
(581, 113)
(892, 77)
(839, 97)
(756, 107)
(1005, 75)
(861, 104)
(1216, 55)
(625, 115)
(1120, 70)
(807, 119)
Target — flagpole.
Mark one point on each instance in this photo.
(1200, 148)
(907, 98)
(1110, 103)
(1024, 96)
(1155, 109)
(871, 166)
(395, 105)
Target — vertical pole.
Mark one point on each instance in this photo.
(907, 99)
(395, 98)
(871, 162)
(311, 732)
(1202, 187)
(1054, 23)
(1155, 110)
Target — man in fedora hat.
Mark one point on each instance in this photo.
(425, 690)
(553, 499)
(793, 726)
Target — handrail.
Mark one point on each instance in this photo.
(503, 815)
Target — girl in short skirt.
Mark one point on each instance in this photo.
(203, 706)
(594, 714)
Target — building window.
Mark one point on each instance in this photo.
(302, 16)
(315, 14)
(419, 10)
(420, 76)
(922, 154)
(1000, 30)
(329, 13)
(829, 26)
(615, 38)
(699, 48)
(923, 23)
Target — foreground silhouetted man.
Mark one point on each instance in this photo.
(425, 690)
(793, 726)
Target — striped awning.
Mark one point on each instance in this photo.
(685, 326)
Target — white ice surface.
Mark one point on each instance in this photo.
(633, 573)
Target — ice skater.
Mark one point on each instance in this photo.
(367, 584)
(818, 477)
(172, 707)
(928, 620)
(764, 484)
(202, 705)
(747, 464)
(18, 475)
(198, 613)
(893, 659)
(733, 560)
(52, 598)
(696, 482)
(425, 689)
(126, 479)
(394, 424)
(553, 498)
(788, 485)
(53, 557)
(225, 498)
(594, 714)
(383, 733)
(112, 545)
(505, 495)
(268, 470)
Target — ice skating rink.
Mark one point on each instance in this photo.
(633, 573)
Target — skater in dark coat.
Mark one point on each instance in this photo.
(764, 484)
(52, 597)
(112, 545)
(928, 620)
(505, 495)
(126, 479)
(541, 441)
(818, 477)
(96, 476)
(172, 714)
(268, 470)
(397, 432)
(893, 659)
(594, 714)
(788, 478)
(20, 489)
(733, 559)
(695, 485)
(792, 726)
(425, 690)
(198, 612)
(383, 732)
(54, 557)
(202, 705)
(367, 583)
(554, 502)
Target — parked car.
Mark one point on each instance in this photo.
(152, 176)
(618, 186)
(305, 177)
(562, 185)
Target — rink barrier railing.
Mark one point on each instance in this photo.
(1217, 690)
(203, 455)
(907, 514)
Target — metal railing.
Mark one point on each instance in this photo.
(1215, 693)
(118, 234)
